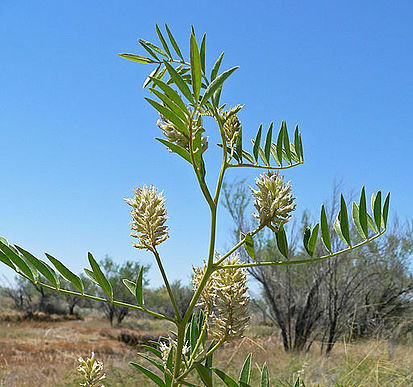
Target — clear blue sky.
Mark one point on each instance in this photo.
(77, 135)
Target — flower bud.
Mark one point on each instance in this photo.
(232, 127)
(272, 200)
(91, 370)
(148, 217)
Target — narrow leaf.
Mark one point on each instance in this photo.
(246, 370)
(136, 58)
(102, 280)
(139, 288)
(286, 141)
(371, 223)
(216, 84)
(267, 146)
(204, 374)
(163, 41)
(171, 105)
(153, 350)
(149, 50)
(178, 80)
(265, 379)
(66, 273)
(280, 139)
(377, 210)
(153, 47)
(344, 226)
(310, 239)
(18, 261)
(238, 146)
(150, 77)
(282, 242)
(216, 66)
(130, 285)
(42, 267)
(170, 115)
(337, 228)
(173, 42)
(225, 378)
(363, 213)
(325, 234)
(171, 93)
(257, 143)
(202, 53)
(195, 67)
(297, 142)
(91, 275)
(155, 378)
(386, 209)
(157, 363)
(356, 220)
(301, 148)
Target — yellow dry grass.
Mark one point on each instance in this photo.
(45, 354)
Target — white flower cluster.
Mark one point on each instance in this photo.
(91, 370)
(148, 217)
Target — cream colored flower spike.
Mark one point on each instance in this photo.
(148, 217)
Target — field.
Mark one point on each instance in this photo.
(44, 353)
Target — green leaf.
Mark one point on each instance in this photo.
(344, 226)
(155, 378)
(377, 210)
(282, 242)
(139, 288)
(286, 141)
(386, 209)
(173, 42)
(171, 93)
(246, 370)
(150, 77)
(297, 142)
(170, 115)
(66, 273)
(204, 374)
(42, 267)
(265, 379)
(153, 47)
(171, 105)
(280, 139)
(202, 53)
(91, 276)
(301, 149)
(371, 223)
(267, 146)
(257, 143)
(356, 220)
(179, 81)
(297, 383)
(225, 378)
(194, 333)
(249, 245)
(157, 363)
(136, 58)
(130, 285)
(310, 239)
(100, 277)
(21, 264)
(216, 84)
(215, 69)
(363, 213)
(248, 156)
(195, 67)
(325, 234)
(163, 41)
(4, 259)
(153, 350)
(337, 228)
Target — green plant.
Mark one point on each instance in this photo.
(187, 95)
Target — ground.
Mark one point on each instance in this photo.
(44, 353)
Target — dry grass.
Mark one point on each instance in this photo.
(45, 354)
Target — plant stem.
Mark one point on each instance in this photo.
(119, 303)
(166, 282)
(302, 261)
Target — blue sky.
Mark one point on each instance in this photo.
(77, 135)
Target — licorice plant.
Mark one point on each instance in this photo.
(184, 94)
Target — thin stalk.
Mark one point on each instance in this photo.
(166, 282)
(238, 245)
(178, 359)
(100, 299)
(302, 261)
